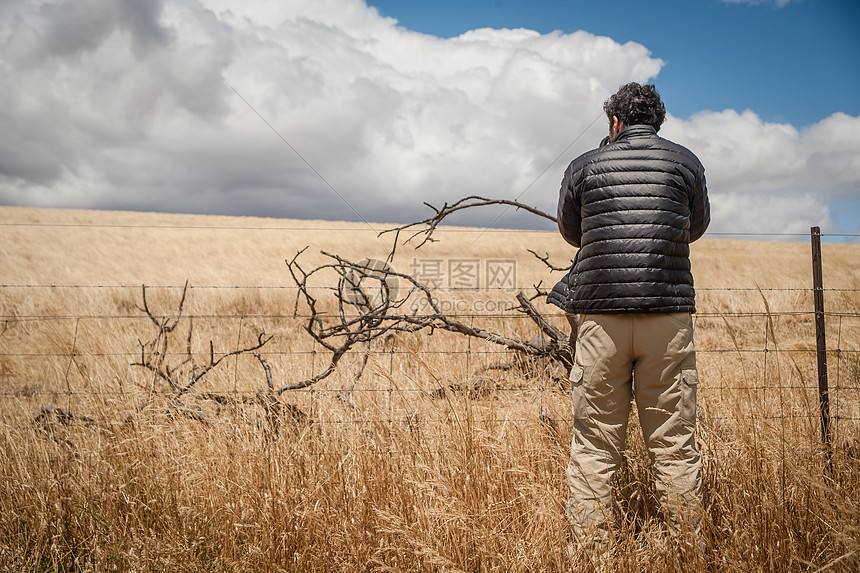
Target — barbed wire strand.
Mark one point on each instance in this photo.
(439, 229)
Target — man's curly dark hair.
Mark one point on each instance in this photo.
(635, 104)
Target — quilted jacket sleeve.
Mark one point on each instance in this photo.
(569, 210)
(700, 207)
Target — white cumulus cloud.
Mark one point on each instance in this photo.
(770, 177)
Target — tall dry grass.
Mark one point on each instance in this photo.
(394, 475)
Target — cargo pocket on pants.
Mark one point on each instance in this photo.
(576, 375)
(689, 384)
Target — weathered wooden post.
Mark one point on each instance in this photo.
(820, 343)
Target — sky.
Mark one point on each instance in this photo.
(364, 111)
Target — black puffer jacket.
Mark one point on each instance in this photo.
(633, 207)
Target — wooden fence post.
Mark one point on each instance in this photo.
(820, 343)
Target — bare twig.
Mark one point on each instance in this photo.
(266, 369)
(198, 372)
(465, 203)
(551, 266)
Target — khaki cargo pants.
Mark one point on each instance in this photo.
(651, 357)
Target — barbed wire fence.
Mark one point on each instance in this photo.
(773, 362)
(845, 353)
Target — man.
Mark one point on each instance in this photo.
(633, 206)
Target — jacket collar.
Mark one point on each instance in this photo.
(631, 131)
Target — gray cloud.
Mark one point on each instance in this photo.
(123, 104)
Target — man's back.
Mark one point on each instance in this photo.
(633, 207)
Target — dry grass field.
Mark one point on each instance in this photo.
(102, 469)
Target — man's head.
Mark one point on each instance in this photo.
(634, 104)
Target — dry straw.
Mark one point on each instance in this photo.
(404, 471)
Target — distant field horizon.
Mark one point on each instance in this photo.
(247, 248)
(375, 225)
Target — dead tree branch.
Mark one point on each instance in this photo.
(181, 372)
(382, 302)
(369, 308)
(527, 307)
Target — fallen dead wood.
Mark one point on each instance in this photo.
(373, 312)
